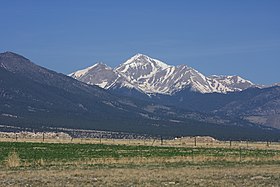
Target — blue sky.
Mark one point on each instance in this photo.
(215, 37)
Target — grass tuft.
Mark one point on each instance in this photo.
(12, 160)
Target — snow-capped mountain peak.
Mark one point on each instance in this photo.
(99, 74)
(82, 72)
(140, 67)
(235, 83)
(150, 76)
(141, 59)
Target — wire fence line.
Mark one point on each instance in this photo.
(197, 141)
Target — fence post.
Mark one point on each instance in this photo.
(43, 136)
(153, 142)
(195, 141)
(161, 140)
(192, 155)
(240, 154)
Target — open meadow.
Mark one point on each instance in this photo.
(87, 162)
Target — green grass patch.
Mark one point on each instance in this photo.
(55, 152)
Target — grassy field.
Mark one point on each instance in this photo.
(88, 164)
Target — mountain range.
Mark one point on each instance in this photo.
(35, 97)
(182, 86)
(152, 76)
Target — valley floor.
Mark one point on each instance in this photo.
(78, 163)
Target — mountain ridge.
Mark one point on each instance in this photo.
(153, 76)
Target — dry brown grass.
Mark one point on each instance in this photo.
(151, 161)
(165, 160)
(182, 176)
(12, 160)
